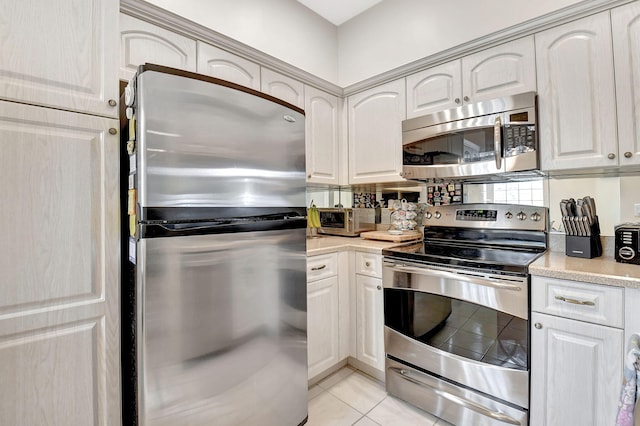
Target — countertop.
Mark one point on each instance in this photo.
(327, 244)
(599, 270)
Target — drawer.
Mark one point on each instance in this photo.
(369, 264)
(598, 304)
(322, 266)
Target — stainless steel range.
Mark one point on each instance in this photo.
(456, 310)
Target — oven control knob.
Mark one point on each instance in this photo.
(428, 215)
(522, 216)
(535, 217)
(438, 215)
(508, 215)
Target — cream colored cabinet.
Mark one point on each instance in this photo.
(325, 156)
(576, 352)
(375, 133)
(576, 95)
(503, 70)
(327, 312)
(60, 263)
(142, 42)
(626, 49)
(282, 87)
(369, 310)
(61, 54)
(224, 65)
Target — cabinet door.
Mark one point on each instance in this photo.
(60, 263)
(576, 95)
(503, 70)
(626, 45)
(142, 42)
(322, 325)
(576, 371)
(322, 137)
(221, 64)
(282, 87)
(61, 54)
(434, 89)
(375, 133)
(370, 321)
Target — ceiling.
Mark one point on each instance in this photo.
(339, 11)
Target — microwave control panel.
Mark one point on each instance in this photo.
(518, 139)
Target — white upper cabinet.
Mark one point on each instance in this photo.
(323, 148)
(375, 133)
(221, 64)
(64, 56)
(503, 70)
(626, 49)
(282, 87)
(142, 42)
(576, 95)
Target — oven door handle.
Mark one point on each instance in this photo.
(456, 276)
(471, 405)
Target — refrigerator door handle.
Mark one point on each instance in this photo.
(195, 226)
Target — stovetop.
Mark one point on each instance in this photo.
(490, 237)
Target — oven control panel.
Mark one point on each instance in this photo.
(497, 216)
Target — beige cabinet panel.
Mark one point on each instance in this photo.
(435, 89)
(370, 321)
(375, 133)
(142, 42)
(626, 48)
(323, 338)
(322, 129)
(282, 87)
(576, 371)
(60, 260)
(221, 64)
(576, 95)
(60, 54)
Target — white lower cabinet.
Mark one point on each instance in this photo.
(369, 310)
(327, 300)
(576, 365)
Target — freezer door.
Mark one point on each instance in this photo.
(202, 144)
(222, 329)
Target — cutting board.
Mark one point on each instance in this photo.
(386, 236)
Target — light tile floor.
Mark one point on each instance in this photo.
(350, 397)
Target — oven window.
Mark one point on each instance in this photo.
(332, 219)
(458, 327)
(468, 146)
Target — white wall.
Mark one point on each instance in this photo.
(284, 29)
(397, 32)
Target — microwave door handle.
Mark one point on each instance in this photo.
(497, 141)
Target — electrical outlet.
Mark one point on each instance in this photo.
(636, 209)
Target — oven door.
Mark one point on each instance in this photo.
(466, 327)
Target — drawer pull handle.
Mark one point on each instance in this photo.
(575, 301)
(318, 268)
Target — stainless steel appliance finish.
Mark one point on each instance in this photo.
(627, 243)
(346, 222)
(477, 140)
(456, 312)
(219, 255)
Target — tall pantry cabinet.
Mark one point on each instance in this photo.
(60, 251)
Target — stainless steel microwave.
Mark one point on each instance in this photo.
(346, 222)
(481, 139)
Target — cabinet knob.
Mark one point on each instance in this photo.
(379, 287)
(456, 100)
(611, 156)
(538, 325)
(113, 131)
(367, 264)
(466, 98)
(308, 176)
(627, 154)
(112, 102)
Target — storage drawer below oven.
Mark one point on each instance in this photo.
(454, 404)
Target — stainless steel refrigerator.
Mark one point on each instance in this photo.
(214, 331)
